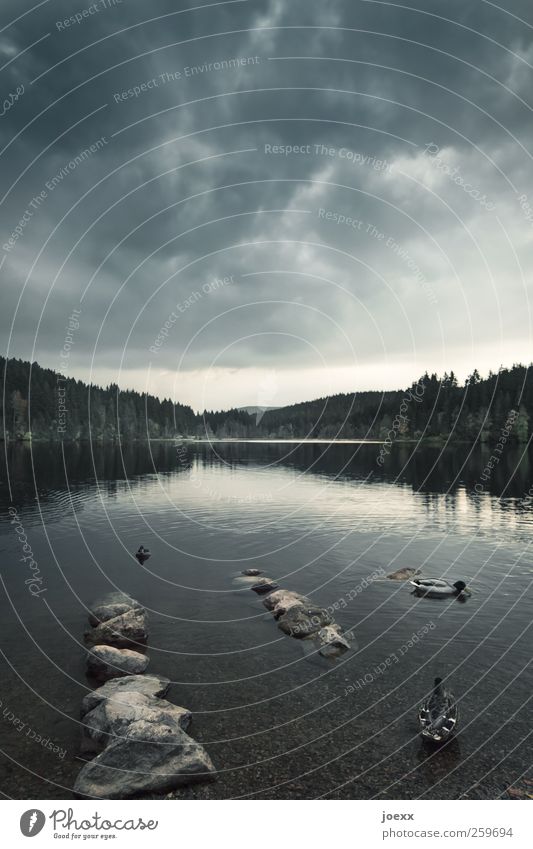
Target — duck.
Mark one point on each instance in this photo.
(439, 588)
(439, 714)
(142, 554)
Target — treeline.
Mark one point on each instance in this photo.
(432, 407)
(42, 402)
(49, 406)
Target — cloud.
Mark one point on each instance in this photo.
(184, 191)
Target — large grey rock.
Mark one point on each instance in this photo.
(281, 601)
(113, 604)
(301, 621)
(112, 718)
(106, 662)
(141, 740)
(147, 685)
(152, 758)
(127, 629)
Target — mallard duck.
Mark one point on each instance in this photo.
(438, 715)
(439, 588)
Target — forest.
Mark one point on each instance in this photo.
(47, 405)
(38, 403)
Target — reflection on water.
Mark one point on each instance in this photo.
(277, 720)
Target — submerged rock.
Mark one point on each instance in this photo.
(331, 641)
(280, 601)
(113, 604)
(403, 574)
(299, 617)
(141, 740)
(300, 622)
(125, 630)
(524, 790)
(265, 585)
(106, 662)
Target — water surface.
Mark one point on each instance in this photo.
(277, 720)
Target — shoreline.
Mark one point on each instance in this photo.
(436, 441)
(429, 440)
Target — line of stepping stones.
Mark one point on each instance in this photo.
(138, 738)
(299, 617)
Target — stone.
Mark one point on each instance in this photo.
(140, 740)
(275, 598)
(265, 585)
(148, 685)
(154, 757)
(279, 602)
(127, 629)
(113, 604)
(299, 617)
(300, 621)
(520, 793)
(106, 662)
(251, 573)
(331, 641)
(112, 718)
(403, 574)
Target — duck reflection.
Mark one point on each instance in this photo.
(436, 762)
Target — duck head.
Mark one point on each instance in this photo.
(459, 587)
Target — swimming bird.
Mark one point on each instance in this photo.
(438, 715)
(439, 588)
(142, 554)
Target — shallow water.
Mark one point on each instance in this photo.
(278, 720)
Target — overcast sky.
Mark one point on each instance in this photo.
(211, 262)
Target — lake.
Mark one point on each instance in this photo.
(325, 520)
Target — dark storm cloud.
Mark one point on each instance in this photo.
(181, 191)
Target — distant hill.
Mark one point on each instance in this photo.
(252, 411)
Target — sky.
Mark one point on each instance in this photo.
(259, 202)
